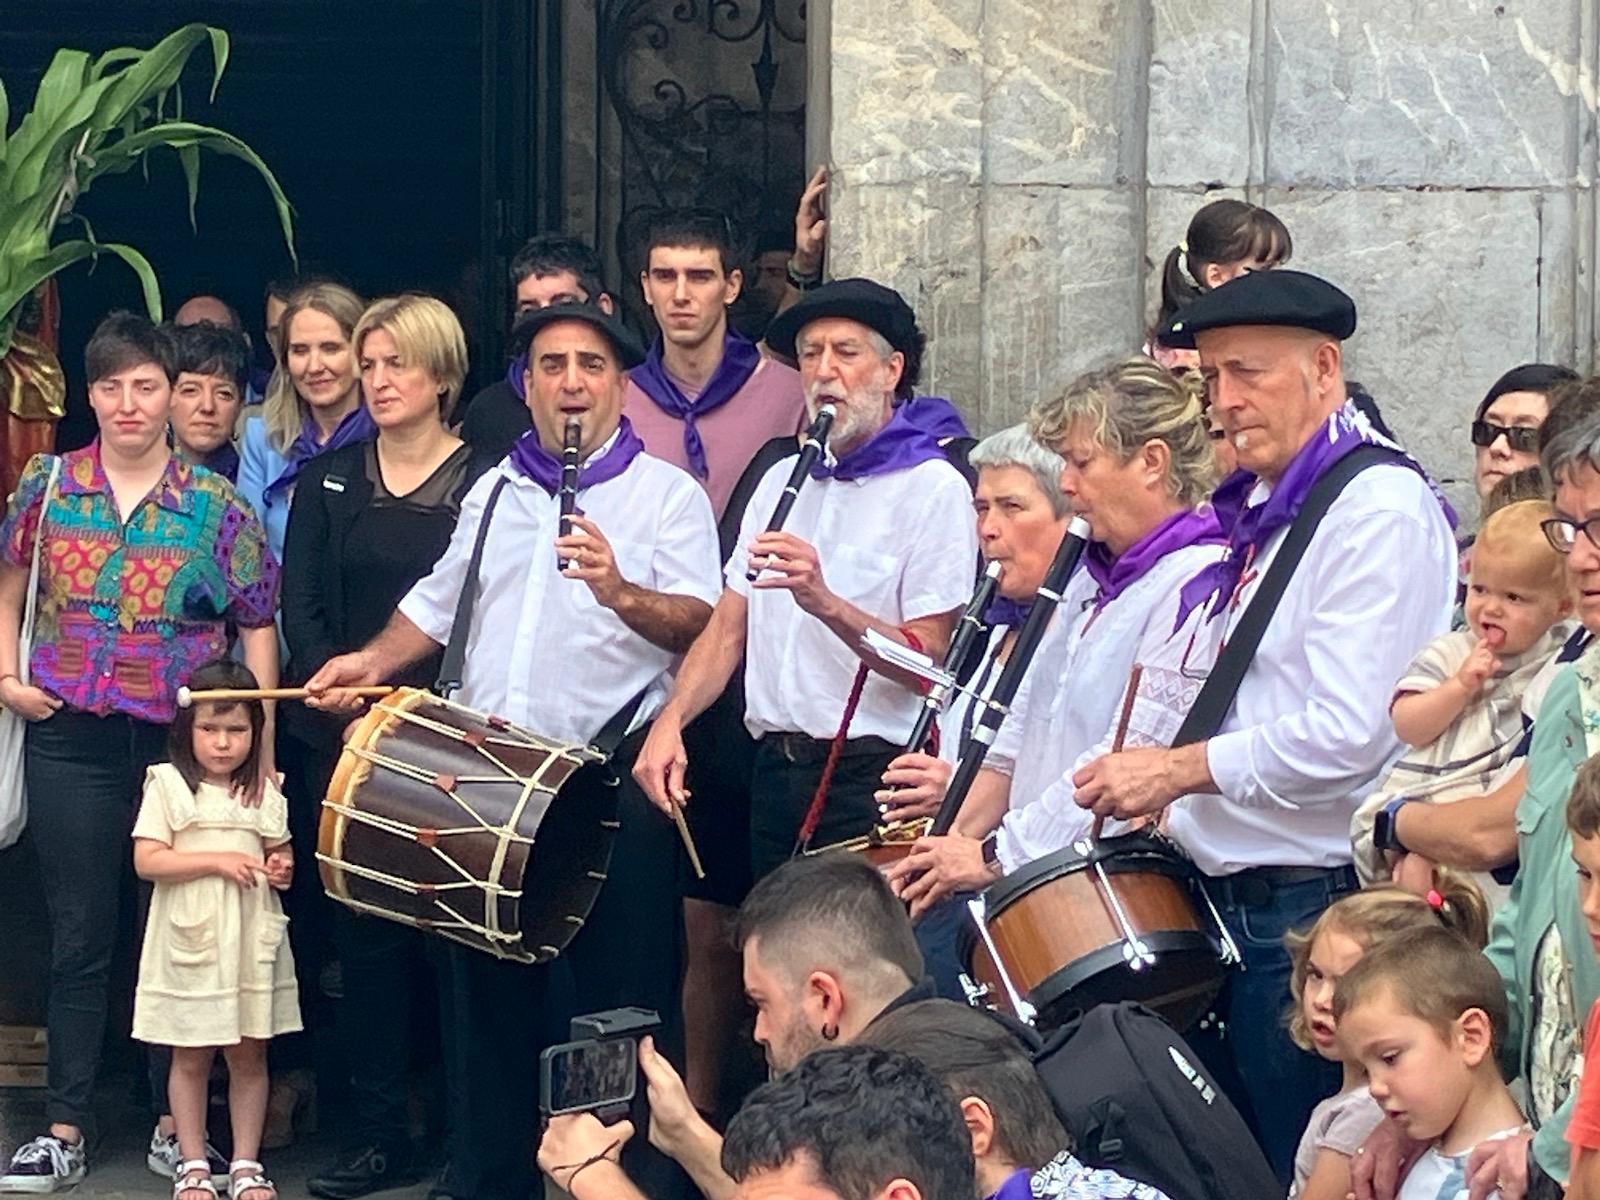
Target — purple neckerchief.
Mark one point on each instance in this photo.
(740, 358)
(514, 376)
(531, 458)
(1004, 611)
(901, 443)
(1016, 1186)
(935, 416)
(356, 426)
(1113, 576)
(1250, 526)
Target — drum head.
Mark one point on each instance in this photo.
(570, 856)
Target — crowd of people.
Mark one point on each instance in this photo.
(1362, 733)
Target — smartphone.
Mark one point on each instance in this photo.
(588, 1075)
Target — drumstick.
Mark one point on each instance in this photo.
(1122, 732)
(222, 695)
(688, 841)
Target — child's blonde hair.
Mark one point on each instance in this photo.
(1433, 974)
(1583, 803)
(1376, 914)
(1512, 535)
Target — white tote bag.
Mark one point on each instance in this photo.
(13, 800)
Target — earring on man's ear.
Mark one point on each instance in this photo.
(830, 1032)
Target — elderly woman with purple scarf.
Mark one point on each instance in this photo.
(1137, 466)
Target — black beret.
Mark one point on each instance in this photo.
(1264, 298)
(875, 306)
(626, 347)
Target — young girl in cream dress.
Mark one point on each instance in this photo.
(215, 972)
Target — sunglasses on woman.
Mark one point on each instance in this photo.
(1522, 438)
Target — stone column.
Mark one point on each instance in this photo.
(1019, 170)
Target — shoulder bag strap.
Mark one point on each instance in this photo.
(455, 650)
(1222, 685)
(31, 604)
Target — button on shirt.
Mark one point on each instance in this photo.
(1072, 699)
(1309, 733)
(899, 546)
(542, 651)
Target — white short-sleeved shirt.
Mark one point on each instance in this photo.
(1309, 735)
(1071, 701)
(543, 652)
(900, 546)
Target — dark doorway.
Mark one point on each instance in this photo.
(398, 128)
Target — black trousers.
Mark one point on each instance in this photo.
(787, 770)
(629, 952)
(84, 777)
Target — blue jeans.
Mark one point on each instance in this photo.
(939, 937)
(1273, 1082)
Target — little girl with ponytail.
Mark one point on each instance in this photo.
(1345, 931)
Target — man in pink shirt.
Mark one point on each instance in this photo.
(706, 399)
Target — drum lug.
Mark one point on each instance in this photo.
(1020, 1005)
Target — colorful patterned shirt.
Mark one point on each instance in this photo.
(128, 610)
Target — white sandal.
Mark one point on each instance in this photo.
(256, 1180)
(193, 1175)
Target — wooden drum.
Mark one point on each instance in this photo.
(1097, 923)
(461, 823)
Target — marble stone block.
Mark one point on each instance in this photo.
(1063, 91)
(1060, 290)
(923, 240)
(1446, 286)
(1439, 93)
(908, 86)
(1199, 109)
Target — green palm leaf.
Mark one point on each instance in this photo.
(93, 117)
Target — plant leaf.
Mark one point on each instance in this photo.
(189, 160)
(5, 119)
(219, 57)
(14, 289)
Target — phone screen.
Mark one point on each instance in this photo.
(587, 1075)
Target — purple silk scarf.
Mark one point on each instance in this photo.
(531, 458)
(514, 376)
(1249, 527)
(1115, 575)
(356, 426)
(739, 361)
(1016, 1186)
(901, 443)
(935, 416)
(1003, 611)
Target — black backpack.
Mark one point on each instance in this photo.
(1136, 1100)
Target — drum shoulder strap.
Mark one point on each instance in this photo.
(1222, 685)
(455, 650)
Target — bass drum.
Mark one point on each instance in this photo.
(461, 823)
(1095, 924)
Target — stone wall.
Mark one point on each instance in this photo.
(1019, 168)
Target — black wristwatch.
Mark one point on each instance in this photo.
(1384, 835)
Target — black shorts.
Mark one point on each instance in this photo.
(721, 756)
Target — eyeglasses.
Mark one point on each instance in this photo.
(1563, 533)
(1522, 438)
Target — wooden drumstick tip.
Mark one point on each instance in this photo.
(688, 841)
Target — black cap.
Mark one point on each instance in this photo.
(627, 348)
(1264, 298)
(875, 306)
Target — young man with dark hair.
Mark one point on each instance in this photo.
(706, 399)
(549, 269)
(850, 1123)
(213, 375)
(1018, 1143)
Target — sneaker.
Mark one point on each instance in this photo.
(46, 1164)
(165, 1158)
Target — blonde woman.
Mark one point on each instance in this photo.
(367, 522)
(313, 402)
